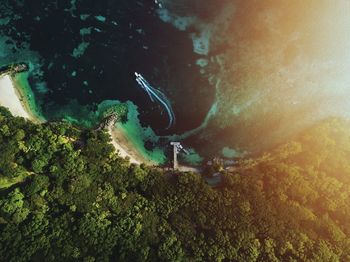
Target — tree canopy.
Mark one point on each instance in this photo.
(66, 195)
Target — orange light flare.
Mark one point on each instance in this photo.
(287, 65)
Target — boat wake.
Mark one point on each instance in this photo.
(156, 95)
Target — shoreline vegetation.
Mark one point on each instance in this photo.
(290, 204)
(17, 96)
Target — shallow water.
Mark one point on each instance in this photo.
(241, 76)
(87, 53)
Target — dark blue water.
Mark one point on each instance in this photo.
(117, 38)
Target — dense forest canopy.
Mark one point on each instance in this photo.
(66, 195)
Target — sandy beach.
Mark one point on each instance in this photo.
(125, 148)
(12, 99)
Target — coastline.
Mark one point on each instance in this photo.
(26, 97)
(125, 148)
(16, 95)
(14, 98)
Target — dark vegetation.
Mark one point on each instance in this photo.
(63, 202)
